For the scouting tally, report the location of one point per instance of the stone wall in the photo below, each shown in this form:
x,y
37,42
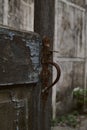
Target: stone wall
x,y
78,2
70,42
18,14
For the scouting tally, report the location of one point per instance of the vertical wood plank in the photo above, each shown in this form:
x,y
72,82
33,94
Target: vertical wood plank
x,y
44,18
44,25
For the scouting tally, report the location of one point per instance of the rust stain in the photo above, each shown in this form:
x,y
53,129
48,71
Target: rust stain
x,y
45,73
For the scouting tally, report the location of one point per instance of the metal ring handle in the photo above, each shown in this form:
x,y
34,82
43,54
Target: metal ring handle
x,y
57,78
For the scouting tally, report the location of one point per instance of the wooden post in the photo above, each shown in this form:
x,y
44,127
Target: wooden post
x,y
44,18
44,25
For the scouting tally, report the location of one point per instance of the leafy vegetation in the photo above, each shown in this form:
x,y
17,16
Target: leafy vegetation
x,y
73,119
69,120
80,97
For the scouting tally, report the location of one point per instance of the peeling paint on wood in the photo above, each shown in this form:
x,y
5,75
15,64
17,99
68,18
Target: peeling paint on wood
x,y
19,56
16,107
19,80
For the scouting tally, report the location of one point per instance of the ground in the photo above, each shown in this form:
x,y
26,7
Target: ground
x,y
81,125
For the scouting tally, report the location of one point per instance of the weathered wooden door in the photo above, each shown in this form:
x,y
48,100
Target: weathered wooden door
x,y
19,80
70,42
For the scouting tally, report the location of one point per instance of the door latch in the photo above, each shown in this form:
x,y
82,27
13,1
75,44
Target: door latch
x,y
46,61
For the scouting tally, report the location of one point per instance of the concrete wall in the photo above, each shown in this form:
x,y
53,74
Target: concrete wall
x,y
70,42
78,2
18,14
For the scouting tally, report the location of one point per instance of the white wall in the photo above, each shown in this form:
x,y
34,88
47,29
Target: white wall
x,y
18,14
70,42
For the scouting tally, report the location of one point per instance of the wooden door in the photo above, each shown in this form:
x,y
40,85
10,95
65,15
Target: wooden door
x,y
16,107
19,76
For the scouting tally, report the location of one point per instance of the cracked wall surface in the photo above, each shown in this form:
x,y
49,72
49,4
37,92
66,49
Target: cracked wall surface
x,y
18,14
78,2
70,42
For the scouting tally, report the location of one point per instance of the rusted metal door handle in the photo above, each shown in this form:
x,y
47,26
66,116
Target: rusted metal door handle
x,y
57,77
45,61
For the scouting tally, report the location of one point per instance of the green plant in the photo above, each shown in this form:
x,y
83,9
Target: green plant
x,y
54,122
80,97
69,120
